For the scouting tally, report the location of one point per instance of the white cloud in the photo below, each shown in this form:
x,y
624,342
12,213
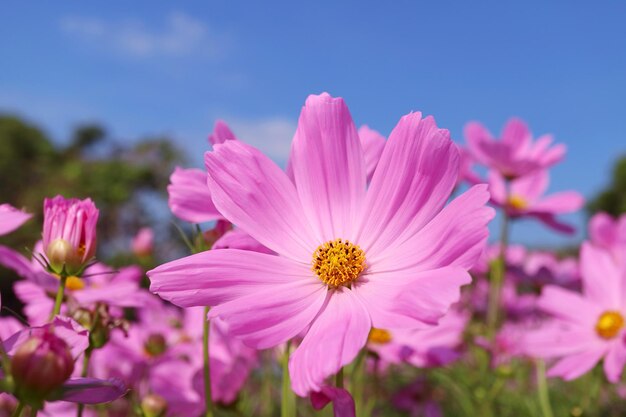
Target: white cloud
x,y
182,35
271,135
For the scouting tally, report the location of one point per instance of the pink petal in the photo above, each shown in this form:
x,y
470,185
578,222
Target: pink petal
x,y
411,298
92,391
614,361
497,187
476,135
568,305
563,202
516,134
256,195
15,261
11,218
571,367
38,303
238,239
603,230
601,276
373,144
343,403
557,339
531,186
552,222
455,237
413,180
273,315
217,276
189,196
328,167
221,133
336,336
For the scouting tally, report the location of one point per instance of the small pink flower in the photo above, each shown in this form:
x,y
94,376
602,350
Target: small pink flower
x,y
69,233
143,241
11,218
585,327
348,257
525,198
515,154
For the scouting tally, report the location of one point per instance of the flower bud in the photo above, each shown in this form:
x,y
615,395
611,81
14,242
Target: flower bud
x,y
41,365
69,233
153,405
142,242
155,345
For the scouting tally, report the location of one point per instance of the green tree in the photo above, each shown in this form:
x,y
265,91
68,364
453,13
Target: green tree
x,y
613,199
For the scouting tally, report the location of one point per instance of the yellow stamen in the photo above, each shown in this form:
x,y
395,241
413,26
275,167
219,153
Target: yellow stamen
x,y
609,324
338,262
73,283
517,202
380,336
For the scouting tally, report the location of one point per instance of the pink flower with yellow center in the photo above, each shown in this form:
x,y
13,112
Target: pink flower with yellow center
x,y
524,197
587,327
347,257
515,154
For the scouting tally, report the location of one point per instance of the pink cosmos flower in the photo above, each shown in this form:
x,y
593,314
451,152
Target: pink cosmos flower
x,y
609,233
143,242
586,327
541,268
431,347
69,233
515,154
189,196
525,198
11,218
348,257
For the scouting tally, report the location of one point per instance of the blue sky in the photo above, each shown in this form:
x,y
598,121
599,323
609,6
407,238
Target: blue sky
x,y
165,68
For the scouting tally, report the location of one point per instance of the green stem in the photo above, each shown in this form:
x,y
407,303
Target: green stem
x,y
357,381
288,401
59,298
542,389
208,400
84,373
18,410
497,280
339,378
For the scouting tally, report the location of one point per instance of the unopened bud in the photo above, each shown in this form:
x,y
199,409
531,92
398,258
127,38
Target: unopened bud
x,y
59,252
155,344
41,365
153,405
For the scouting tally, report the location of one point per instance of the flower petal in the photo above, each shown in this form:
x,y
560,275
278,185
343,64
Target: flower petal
x,y
221,133
614,361
411,298
373,144
189,197
336,336
268,318
328,167
601,276
571,367
255,194
343,403
603,230
455,237
413,180
11,218
568,305
217,276
92,390
563,202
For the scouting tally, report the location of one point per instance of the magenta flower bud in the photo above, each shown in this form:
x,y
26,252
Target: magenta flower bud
x,y
40,366
69,233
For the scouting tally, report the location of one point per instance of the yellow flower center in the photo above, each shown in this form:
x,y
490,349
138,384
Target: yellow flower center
x,y
517,202
338,262
380,336
609,324
72,283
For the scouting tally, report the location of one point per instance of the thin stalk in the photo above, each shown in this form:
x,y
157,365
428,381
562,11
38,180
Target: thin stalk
x,y
18,410
208,400
497,280
542,390
84,373
339,378
357,381
288,401
59,298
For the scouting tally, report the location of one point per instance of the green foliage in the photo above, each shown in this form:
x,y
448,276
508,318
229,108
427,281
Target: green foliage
x,y
613,199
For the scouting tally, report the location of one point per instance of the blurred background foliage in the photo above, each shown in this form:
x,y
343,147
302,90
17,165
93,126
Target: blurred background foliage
x,y
126,179
613,198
